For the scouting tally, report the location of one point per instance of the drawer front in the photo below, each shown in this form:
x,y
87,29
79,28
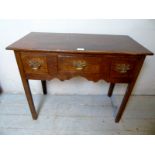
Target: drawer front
x,y
123,69
39,65
116,69
34,63
80,64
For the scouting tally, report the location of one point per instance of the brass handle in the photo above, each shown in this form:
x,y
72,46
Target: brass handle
x,y
122,68
79,65
35,65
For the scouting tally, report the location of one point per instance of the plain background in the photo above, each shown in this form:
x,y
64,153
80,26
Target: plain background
x,y
142,31
79,9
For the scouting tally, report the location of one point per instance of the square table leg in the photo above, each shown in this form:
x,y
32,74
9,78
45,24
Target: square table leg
x,y
44,86
124,102
26,87
111,88
128,91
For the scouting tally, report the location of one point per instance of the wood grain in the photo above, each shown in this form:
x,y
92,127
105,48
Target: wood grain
x,y
26,86
113,58
41,59
91,43
93,64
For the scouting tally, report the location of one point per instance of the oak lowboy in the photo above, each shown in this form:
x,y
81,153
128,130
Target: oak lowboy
x,y
113,58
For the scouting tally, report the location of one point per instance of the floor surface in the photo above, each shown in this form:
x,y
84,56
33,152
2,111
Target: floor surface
x,y
75,114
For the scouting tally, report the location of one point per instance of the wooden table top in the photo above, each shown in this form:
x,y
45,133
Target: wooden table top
x,y
79,43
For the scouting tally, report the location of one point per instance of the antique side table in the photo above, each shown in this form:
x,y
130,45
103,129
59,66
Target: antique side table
x,y
113,58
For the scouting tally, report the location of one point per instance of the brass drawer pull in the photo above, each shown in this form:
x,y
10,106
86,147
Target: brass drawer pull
x,y
35,65
122,68
79,65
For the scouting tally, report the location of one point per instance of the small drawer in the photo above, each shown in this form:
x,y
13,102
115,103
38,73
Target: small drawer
x,y
123,69
34,63
80,64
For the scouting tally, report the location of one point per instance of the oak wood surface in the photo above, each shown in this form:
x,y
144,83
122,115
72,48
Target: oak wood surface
x,y
92,64
26,86
31,58
113,58
62,66
91,43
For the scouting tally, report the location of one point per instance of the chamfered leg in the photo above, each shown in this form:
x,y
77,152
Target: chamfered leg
x,y
129,90
29,98
26,87
124,102
44,86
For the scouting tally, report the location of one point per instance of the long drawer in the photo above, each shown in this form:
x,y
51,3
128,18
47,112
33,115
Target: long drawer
x,y
82,64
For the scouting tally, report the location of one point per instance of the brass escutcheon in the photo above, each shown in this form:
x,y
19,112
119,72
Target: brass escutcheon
x,y
79,65
35,65
122,68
